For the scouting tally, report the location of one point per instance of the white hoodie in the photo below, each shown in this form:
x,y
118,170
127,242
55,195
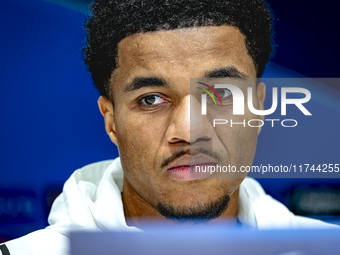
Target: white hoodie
x,y
91,200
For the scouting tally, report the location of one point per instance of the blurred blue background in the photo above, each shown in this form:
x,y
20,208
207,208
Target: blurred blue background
x,y
50,123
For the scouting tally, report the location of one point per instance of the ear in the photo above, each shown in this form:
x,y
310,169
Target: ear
x,y
261,95
106,109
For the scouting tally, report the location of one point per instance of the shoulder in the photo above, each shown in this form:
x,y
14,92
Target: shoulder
x,y
270,213
70,210
93,174
40,242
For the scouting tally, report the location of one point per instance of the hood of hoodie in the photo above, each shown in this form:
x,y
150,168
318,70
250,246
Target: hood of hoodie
x,y
91,200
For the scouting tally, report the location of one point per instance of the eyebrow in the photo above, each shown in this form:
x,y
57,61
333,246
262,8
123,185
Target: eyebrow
x,y
143,82
226,72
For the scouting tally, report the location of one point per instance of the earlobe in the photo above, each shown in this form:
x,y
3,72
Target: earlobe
x,y
106,109
261,95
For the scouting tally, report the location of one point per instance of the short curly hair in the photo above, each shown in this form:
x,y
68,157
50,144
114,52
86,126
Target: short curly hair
x,y
113,20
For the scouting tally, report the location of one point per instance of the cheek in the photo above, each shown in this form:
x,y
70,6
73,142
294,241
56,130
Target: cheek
x,y
134,145
139,140
238,141
133,140
246,139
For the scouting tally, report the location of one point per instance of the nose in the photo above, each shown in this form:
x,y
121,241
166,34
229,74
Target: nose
x,y
187,124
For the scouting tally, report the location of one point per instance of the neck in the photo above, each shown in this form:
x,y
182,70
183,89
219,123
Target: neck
x,y
137,210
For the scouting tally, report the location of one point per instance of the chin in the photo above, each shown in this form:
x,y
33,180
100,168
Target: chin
x,y
195,208
195,193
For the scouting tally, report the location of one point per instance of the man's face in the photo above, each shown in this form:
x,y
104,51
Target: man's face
x,y
153,111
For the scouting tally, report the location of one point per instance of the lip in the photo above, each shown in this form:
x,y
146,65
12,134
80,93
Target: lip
x,y
192,160
189,173
184,168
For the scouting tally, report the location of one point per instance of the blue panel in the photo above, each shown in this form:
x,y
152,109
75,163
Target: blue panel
x,y
50,122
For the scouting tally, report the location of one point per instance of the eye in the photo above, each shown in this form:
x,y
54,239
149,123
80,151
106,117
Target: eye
x,y
224,94
152,100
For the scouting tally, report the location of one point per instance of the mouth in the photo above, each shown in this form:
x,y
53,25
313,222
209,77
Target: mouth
x,y
190,172
190,167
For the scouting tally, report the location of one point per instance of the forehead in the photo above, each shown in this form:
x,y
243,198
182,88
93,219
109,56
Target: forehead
x,y
190,51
